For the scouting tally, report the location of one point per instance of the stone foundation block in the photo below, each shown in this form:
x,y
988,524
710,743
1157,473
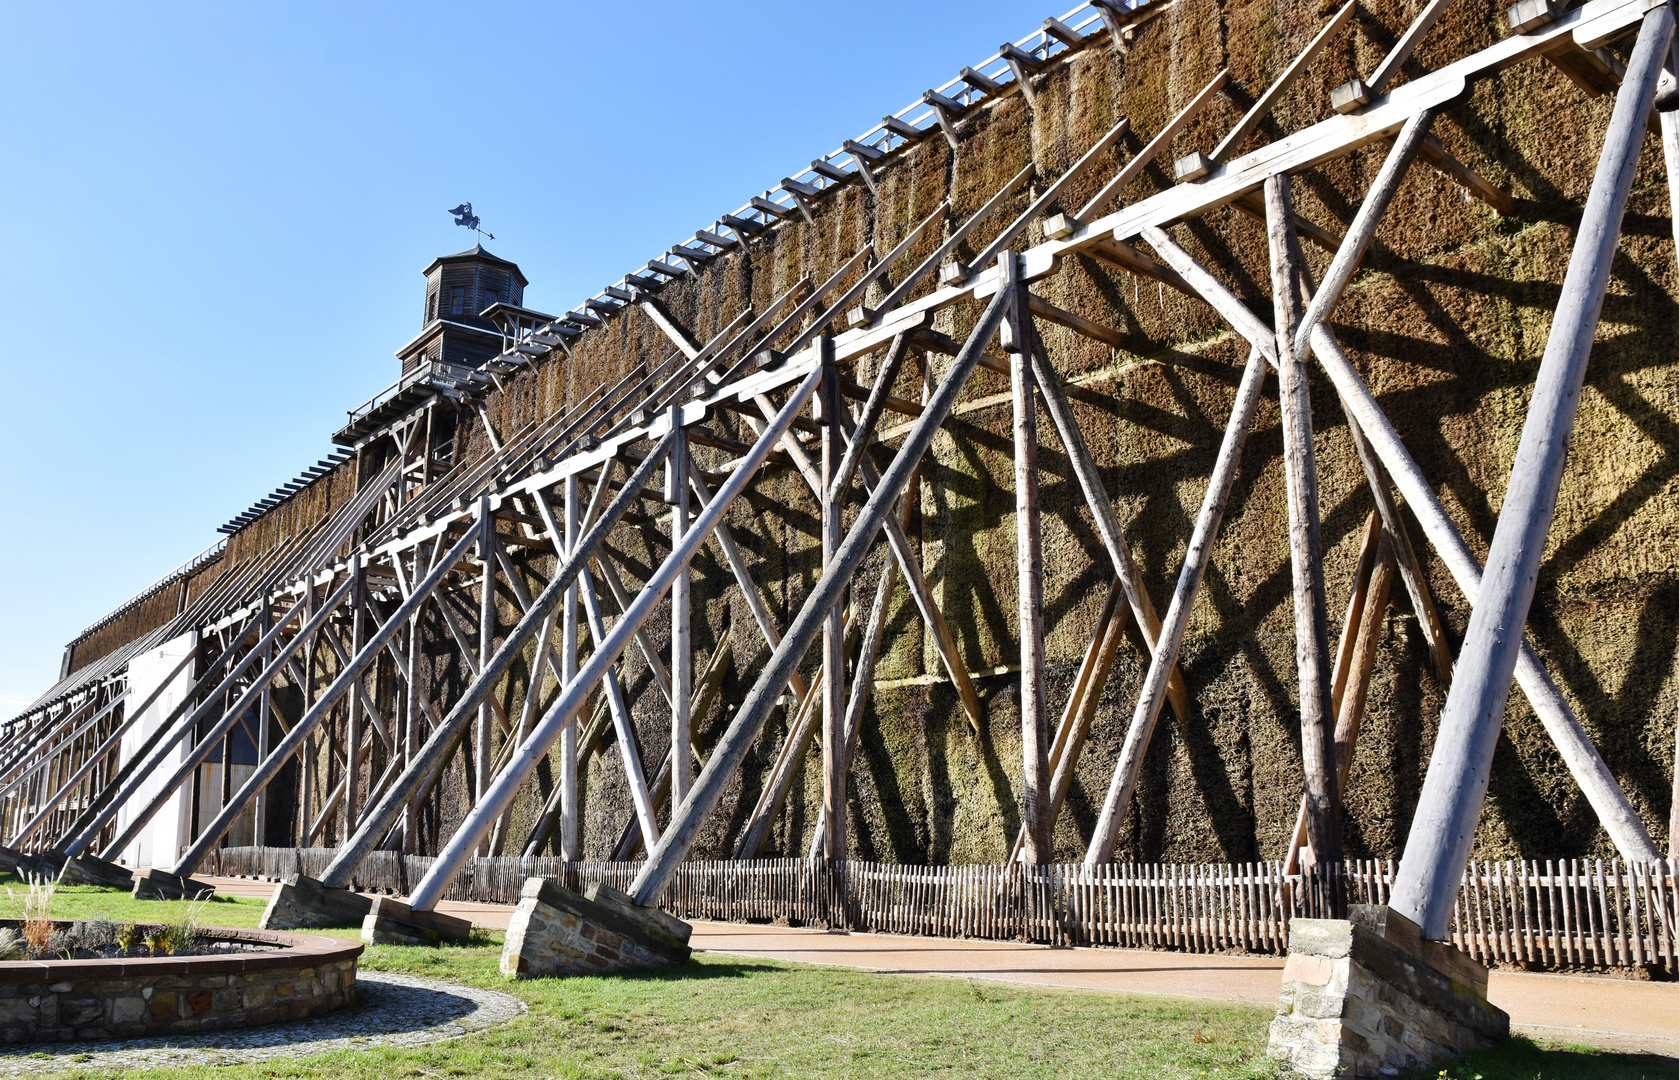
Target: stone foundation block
x,y
554,931
155,884
8,860
391,922
302,903
46,864
1369,997
91,870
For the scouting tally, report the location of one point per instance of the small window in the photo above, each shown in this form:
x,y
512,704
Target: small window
x,y
457,301
493,299
431,307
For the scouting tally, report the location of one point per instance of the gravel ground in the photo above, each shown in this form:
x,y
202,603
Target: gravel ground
x,y
396,1010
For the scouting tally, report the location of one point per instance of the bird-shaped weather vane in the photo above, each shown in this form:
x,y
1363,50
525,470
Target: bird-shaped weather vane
x,y
464,216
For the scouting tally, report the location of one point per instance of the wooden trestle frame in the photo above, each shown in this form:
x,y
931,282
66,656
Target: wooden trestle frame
x,y
322,608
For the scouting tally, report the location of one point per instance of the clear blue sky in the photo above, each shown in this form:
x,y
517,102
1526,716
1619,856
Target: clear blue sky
x,y
215,216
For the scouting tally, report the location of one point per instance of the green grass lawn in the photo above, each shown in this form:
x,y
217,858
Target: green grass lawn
x,y
722,1017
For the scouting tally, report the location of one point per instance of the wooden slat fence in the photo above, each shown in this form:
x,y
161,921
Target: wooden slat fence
x,y
1555,914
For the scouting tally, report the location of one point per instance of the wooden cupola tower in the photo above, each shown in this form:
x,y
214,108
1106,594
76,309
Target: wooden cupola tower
x,y
459,290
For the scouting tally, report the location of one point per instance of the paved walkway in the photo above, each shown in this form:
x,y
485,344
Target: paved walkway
x,y
1619,1014
396,1010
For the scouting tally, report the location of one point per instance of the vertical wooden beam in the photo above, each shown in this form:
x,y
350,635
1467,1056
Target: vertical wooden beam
x,y
1029,566
1323,823
483,748
265,718
570,850
829,403
227,773
681,630
862,685
411,722
352,734
1354,659
1455,786
1673,812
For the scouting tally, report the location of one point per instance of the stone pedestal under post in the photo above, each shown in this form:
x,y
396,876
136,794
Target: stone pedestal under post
x,y
155,884
92,870
1367,996
555,931
392,922
302,903
45,864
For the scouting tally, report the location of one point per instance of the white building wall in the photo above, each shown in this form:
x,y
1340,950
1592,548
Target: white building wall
x,y
164,837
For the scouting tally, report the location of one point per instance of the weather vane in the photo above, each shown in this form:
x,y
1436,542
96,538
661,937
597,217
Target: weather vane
x,y
464,216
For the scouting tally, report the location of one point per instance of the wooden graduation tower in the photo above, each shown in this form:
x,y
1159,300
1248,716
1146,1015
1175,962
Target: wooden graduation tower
x,y
691,536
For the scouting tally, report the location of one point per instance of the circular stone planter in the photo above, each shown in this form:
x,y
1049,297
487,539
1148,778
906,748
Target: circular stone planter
x,y
297,976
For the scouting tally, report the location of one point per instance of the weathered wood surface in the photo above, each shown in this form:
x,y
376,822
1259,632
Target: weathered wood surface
x,y
1311,629
1455,785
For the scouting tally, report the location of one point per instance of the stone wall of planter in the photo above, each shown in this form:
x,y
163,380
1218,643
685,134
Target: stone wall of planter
x,y
59,1000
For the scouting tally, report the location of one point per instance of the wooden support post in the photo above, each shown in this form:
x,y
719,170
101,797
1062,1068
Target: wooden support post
x,y
564,538
425,762
710,681
1029,566
829,404
681,634
1673,811
411,726
1362,230
483,748
1454,788
864,428
352,732
1070,734
1410,567
862,686
1354,660
1317,756
570,850
1349,707
621,597
1195,560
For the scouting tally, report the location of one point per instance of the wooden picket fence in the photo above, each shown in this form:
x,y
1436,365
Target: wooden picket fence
x,y
1551,914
